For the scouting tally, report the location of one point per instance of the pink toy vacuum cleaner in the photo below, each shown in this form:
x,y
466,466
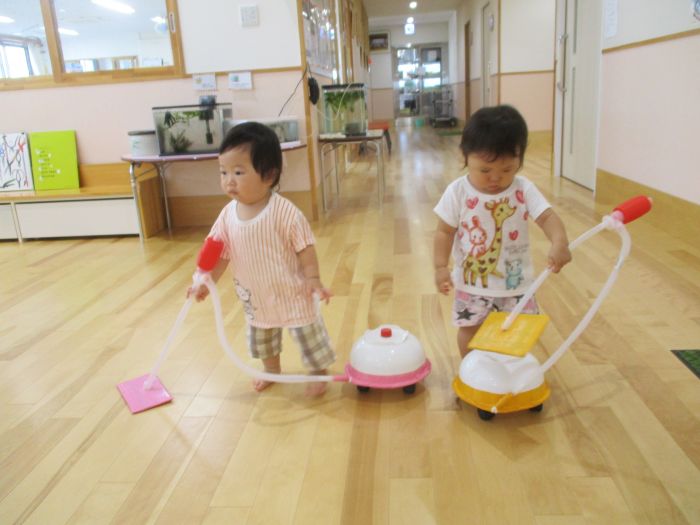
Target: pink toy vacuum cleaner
x,y
387,357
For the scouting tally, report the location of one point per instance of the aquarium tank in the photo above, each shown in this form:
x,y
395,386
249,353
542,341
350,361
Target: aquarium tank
x,y
344,109
197,128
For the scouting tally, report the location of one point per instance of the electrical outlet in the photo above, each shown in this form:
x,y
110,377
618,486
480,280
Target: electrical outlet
x,y
249,15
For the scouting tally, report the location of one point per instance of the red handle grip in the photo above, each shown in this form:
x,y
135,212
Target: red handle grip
x,y
209,254
634,208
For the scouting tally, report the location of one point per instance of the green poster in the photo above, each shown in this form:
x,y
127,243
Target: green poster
x,y
54,160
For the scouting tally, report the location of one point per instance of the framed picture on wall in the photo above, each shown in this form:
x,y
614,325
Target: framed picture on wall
x,y
319,37
379,41
15,168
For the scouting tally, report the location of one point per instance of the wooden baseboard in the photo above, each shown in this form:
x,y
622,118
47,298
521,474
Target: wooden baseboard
x,y
195,210
202,210
103,174
151,206
678,217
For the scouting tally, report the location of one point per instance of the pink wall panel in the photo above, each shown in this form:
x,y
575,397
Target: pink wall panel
x,y
532,94
650,116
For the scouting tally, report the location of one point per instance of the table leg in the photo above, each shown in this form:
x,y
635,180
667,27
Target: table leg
x,y
161,174
323,179
335,172
381,176
379,150
15,219
137,202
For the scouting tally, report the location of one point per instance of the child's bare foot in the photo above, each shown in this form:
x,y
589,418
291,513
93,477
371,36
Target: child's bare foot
x,y
316,389
261,384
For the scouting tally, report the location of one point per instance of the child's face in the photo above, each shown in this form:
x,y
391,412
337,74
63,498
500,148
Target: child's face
x,y
239,180
492,176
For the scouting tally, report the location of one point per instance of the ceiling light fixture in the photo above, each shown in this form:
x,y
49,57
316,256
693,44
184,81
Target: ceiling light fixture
x,y
409,20
6,20
68,32
408,45
113,5
413,5
158,20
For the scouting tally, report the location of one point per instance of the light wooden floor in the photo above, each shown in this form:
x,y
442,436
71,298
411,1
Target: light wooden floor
x,y
618,441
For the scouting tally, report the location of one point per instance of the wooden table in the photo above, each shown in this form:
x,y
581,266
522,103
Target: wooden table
x,y
161,162
331,141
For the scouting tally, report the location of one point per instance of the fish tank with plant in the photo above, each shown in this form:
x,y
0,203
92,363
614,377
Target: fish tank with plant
x,y
344,109
197,128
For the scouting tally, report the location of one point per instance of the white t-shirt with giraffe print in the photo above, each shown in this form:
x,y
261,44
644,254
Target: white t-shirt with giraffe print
x,y
491,250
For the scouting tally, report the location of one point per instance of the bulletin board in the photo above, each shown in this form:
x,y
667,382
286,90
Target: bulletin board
x,y
319,40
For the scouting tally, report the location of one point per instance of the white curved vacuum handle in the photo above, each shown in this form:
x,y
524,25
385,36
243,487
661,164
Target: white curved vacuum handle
x,y
609,222
206,280
148,383
545,273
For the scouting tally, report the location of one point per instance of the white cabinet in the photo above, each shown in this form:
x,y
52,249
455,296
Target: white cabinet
x,y
7,223
77,218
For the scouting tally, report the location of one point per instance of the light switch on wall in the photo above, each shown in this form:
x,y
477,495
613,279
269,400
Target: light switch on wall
x,y
249,15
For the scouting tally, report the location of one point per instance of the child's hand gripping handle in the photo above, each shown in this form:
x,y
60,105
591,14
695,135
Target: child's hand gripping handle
x,y
632,209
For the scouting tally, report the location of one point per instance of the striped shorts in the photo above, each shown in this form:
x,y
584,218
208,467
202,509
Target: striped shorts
x,y
314,344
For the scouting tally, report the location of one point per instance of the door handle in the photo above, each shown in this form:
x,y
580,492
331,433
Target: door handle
x,y
561,85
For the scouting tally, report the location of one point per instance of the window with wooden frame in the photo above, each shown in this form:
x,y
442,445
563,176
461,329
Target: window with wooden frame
x,y
47,43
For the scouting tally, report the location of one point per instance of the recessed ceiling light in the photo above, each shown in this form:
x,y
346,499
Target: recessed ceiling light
x,y
158,20
409,20
6,20
113,5
413,5
68,32
408,45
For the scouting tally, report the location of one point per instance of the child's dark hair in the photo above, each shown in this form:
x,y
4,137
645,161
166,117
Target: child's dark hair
x,y
265,151
495,131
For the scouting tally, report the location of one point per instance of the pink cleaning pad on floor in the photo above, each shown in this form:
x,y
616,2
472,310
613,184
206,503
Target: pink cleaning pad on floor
x,y
138,398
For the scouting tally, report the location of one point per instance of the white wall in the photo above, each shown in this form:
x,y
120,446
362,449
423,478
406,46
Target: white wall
x,y
639,20
425,34
527,35
452,53
380,72
213,39
461,18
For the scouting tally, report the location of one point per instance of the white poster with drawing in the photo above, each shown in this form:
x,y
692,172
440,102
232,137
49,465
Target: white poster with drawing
x,y
15,167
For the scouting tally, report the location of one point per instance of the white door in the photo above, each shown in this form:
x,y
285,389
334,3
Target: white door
x,y
579,44
488,34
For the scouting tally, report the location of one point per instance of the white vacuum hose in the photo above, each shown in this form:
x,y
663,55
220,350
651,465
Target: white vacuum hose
x,y
205,278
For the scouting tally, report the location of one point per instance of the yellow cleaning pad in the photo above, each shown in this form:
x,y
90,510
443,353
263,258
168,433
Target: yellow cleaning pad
x,y
517,340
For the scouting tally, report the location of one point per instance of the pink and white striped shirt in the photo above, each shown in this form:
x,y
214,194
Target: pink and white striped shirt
x,y
263,258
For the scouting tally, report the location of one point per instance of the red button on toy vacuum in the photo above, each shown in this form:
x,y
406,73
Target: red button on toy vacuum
x,y
385,332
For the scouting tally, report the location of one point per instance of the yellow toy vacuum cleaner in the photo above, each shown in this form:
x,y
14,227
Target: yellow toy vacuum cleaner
x,y
499,374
